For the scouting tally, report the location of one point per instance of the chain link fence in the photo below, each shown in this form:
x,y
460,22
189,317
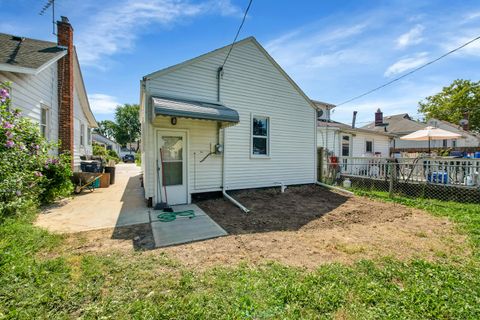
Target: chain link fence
x,y
448,179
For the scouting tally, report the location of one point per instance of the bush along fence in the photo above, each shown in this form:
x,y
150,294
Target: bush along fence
x,y
29,174
449,179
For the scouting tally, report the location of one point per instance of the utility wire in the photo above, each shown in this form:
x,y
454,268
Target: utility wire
x,y
238,32
409,73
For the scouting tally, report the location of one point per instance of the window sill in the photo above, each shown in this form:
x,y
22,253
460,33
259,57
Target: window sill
x,y
258,156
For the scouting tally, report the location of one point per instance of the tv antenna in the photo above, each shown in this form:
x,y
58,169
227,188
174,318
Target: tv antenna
x,y
48,4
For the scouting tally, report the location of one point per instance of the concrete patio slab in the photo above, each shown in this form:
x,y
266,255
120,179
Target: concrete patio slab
x,y
177,208
121,204
184,230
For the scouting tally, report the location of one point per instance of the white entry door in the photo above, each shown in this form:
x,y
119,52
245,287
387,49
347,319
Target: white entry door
x,y
172,152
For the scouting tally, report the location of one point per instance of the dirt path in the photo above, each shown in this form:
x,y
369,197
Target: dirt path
x,y
306,226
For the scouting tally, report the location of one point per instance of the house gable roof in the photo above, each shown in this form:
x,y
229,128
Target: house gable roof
x,y
399,124
25,55
82,92
216,51
346,128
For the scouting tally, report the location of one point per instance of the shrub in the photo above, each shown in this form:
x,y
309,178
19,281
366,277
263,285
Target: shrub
x,y
25,178
101,151
57,182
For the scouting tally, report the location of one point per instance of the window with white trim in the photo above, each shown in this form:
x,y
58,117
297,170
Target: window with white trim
x,y
82,134
89,135
260,136
44,121
369,146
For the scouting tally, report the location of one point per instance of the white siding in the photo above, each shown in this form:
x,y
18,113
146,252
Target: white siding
x,y
30,91
79,118
333,137
251,84
329,139
380,144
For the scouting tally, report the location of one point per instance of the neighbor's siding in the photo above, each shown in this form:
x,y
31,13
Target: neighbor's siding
x,y
30,91
357,146
380,144
78,119
250,85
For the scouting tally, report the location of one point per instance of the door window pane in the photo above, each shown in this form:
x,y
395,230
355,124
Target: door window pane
x,y
172,148
173,173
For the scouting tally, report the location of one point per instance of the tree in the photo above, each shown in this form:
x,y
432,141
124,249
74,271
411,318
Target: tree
x,y
127,118
459,100
106,128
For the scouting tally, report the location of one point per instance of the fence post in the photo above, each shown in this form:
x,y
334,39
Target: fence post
x,y
320,164
392,168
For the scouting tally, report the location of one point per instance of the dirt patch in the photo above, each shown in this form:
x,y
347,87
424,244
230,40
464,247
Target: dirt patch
x,y
305,226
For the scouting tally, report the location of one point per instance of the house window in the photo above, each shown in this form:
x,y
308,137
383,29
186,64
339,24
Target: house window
x,y
444,143
345,146
454,143
44,122
82,134
369,146
260,136
89,135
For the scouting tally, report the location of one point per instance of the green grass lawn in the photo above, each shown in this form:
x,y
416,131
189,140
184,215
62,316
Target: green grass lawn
x,y
33,284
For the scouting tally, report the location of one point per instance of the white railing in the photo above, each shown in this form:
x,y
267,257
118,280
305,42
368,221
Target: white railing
x,y
439,170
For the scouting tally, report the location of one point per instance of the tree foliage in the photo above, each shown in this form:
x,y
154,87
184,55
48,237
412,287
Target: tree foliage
x,y
106,128
460,98
127,123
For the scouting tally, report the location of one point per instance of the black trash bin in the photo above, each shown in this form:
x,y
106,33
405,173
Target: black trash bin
x,y
91,166
111,170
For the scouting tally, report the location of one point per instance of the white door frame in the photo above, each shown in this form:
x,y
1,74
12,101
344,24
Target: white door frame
x,y
185,161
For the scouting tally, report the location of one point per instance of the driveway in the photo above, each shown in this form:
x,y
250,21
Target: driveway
x,y
122,204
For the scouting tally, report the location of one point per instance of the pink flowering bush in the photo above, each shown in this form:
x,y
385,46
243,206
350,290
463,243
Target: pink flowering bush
x,y
28,174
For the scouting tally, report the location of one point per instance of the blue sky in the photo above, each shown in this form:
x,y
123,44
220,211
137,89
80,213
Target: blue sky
x,y
333,49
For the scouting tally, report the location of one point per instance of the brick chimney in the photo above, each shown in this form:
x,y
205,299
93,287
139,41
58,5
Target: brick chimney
x,y
65,87
378,118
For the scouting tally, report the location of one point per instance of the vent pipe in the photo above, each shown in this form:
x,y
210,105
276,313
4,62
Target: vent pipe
x,y
354,119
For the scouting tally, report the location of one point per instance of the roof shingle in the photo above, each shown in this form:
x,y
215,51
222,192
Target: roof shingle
x,y
27,55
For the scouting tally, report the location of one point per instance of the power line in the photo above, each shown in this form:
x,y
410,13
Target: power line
x,y
238,32
409,73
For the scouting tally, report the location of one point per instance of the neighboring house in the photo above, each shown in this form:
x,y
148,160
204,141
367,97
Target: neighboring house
x,y
340,139
105,142
47,86
469,139
246,125
402,124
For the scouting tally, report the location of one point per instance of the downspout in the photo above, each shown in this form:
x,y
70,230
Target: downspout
x,y
224,189
335,188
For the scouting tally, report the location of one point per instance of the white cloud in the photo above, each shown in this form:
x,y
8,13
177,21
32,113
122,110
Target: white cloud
x,y
103,103
115,28
406,64
305,49
412,37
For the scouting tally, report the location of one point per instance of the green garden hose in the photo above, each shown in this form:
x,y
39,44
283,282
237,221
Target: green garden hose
x,y
171,216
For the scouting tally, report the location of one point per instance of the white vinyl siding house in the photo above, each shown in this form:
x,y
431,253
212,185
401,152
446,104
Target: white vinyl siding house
x,y
31,66
32,94
282,150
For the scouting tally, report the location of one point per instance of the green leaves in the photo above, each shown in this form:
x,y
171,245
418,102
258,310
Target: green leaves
x,y
454,102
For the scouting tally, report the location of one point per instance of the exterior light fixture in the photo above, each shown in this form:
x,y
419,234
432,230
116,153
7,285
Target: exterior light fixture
x,y
173,121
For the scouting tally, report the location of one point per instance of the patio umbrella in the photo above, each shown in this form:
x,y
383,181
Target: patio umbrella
x,y
431,133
